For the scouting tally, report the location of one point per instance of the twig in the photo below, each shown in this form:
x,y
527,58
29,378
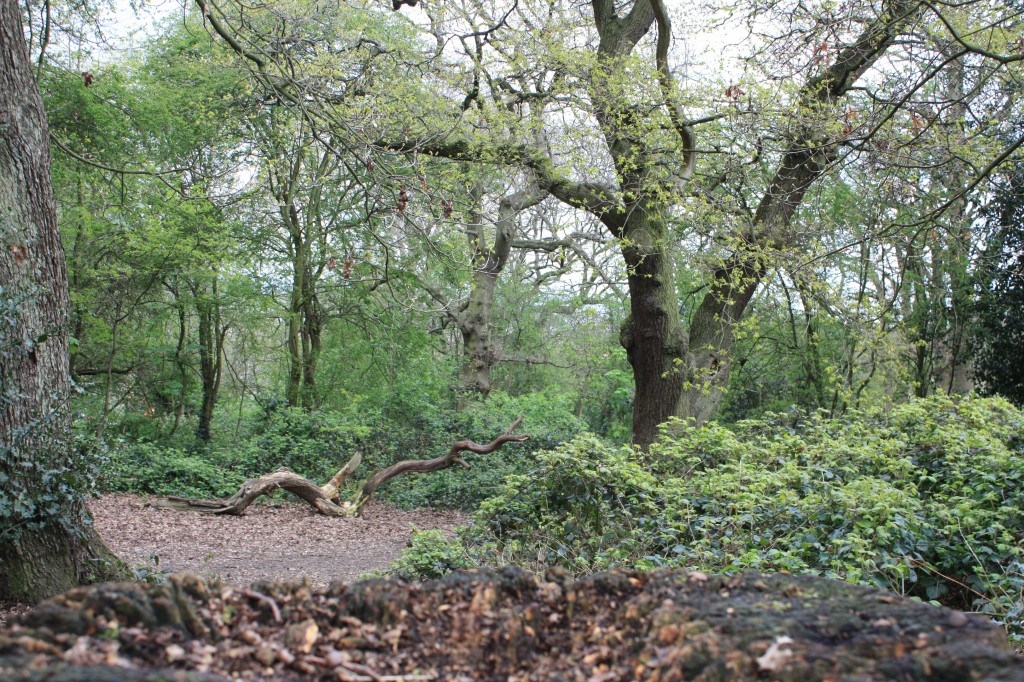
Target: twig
x,y
252,594
928,567
362,672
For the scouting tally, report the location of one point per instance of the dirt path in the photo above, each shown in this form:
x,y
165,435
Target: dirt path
x,y
272,541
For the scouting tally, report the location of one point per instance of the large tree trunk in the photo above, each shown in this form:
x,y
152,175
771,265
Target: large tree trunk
x,y
652,334
46,540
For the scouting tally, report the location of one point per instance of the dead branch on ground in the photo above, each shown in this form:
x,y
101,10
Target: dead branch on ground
x,y
325,499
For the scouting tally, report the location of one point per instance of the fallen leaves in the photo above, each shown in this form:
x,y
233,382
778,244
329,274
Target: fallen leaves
x,y
504,625
242,550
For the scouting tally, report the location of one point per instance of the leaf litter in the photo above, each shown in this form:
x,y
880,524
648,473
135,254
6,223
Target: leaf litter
x,y
276,541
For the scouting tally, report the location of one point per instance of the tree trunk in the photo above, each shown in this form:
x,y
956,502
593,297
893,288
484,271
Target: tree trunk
x,y
179,361
312,326
475,326
108,383
652,334
211,355
293,391
46,540
474,321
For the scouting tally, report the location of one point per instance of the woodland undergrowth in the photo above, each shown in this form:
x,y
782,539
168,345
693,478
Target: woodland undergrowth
x,y
926,499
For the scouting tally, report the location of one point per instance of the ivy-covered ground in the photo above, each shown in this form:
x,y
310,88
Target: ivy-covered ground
x,y
924,499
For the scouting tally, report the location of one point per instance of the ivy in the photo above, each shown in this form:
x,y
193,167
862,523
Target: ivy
x,y
45,475
925,500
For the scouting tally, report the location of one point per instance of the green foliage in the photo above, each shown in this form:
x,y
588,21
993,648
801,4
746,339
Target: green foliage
x,y
152,469
313,443
430,555
925,500
548,416
592,507
317,443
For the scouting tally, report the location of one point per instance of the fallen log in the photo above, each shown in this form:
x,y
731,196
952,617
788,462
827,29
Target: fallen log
x,y
500,625
326,499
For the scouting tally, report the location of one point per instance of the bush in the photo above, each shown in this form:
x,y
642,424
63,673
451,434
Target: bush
x,y
430,555
314,444
155,470
925,500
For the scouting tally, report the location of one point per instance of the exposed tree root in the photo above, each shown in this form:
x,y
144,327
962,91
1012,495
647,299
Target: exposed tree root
x,y
325,498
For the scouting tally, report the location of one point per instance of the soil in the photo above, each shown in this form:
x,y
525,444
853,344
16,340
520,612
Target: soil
x,y
281,540
277,541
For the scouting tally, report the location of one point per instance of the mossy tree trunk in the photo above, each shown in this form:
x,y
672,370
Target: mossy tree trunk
x,y
47,544
475,318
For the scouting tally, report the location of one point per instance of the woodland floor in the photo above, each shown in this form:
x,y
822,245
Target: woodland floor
x,y
280,540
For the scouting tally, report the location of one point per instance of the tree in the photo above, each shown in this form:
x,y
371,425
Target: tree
x,y
832,91
680,371
47,544
1001,299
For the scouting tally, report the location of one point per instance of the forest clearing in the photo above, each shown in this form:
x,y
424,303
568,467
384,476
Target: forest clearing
x,y
619,339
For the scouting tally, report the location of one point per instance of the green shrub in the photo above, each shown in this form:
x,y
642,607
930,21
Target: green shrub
x,y
430,555
925,500
312,443
152,469
548,418
587,506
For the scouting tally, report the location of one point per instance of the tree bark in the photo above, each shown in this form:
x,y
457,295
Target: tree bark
x,y
211,354
312,326
294,389
475,319
325,498
179,361
652,334
46,539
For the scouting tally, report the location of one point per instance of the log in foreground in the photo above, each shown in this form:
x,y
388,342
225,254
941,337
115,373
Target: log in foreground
x,y
505,625
325,499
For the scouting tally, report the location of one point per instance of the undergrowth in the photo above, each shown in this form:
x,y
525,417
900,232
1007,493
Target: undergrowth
x,y
317,443
926,500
